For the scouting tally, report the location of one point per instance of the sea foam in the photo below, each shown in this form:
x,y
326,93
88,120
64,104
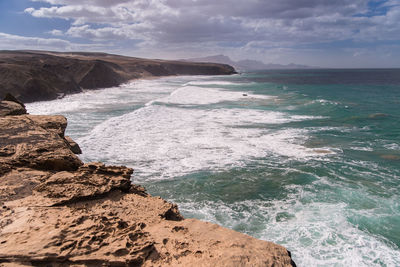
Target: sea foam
x,y
161,141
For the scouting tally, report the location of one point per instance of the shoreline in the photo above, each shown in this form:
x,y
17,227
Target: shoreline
x,y
39,75
149,78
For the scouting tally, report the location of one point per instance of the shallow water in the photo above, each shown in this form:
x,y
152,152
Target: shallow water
x,y
308,159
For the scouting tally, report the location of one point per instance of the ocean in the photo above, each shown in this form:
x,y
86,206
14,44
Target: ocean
x,y
308,159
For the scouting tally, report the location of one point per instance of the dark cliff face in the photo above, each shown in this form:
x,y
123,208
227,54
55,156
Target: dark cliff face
x,y
36,75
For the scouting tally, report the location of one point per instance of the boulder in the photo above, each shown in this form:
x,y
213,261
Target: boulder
x,y
11,106
10,97
8,108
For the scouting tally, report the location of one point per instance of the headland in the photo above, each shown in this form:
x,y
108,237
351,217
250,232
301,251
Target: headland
x,y
43,75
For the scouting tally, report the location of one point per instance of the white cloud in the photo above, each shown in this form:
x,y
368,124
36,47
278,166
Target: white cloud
x,y
56,32
12,42
121,32
180,21
252,27
105,12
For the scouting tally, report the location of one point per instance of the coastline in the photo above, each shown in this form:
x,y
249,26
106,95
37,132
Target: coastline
x,y
58,210
42,75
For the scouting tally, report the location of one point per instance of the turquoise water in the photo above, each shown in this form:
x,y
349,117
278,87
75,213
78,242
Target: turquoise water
x,y
308,159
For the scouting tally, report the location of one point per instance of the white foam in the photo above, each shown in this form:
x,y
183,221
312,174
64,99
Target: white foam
x,y
317,233
194,95
210,83
362,148
324,102
132,93
320,234
392,146
332,128
161,141
164,142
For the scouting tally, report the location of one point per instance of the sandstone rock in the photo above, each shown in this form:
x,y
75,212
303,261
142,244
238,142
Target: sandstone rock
x,y
11,106
55,123
88,182
73,145
125,230
10,97
25,143
8,108
19,183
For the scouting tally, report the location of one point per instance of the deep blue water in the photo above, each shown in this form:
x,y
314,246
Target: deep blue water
x,y
309,159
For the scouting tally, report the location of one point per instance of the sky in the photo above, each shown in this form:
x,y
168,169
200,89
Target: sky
x,y
325,33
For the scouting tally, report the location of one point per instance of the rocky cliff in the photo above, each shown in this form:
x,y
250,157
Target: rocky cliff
x,y
57,211
40,75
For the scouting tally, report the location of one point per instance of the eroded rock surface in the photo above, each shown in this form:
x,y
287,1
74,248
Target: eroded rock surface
x,y
26,142
57,211
73,145
11,108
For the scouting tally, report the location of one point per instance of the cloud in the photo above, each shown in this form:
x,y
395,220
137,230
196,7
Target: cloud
x,y
104,12
250,26
11,42
127,32
56,32
179,21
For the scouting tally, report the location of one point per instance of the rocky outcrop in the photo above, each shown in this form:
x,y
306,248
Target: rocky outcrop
x,y
57,211
11,106
73,145
26,142
39,75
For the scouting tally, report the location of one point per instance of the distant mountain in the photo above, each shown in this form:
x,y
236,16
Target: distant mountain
x,y
221,59
247,64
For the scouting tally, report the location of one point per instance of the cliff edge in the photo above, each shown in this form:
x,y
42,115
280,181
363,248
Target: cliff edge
x,y
57,211
41,75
